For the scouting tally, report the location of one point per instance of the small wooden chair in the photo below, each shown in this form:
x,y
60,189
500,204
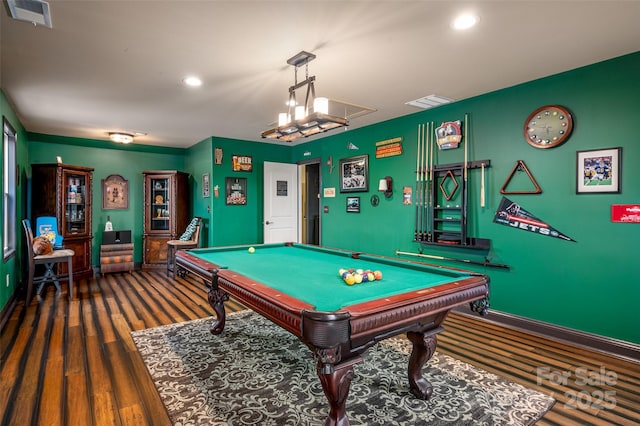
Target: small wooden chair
x,y
174,245
49,261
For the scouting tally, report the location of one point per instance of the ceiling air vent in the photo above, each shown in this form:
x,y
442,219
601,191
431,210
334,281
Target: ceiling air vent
x,y
34,11
430,101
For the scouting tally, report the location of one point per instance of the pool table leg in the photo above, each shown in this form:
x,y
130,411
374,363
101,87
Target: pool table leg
x,y
424,346
216,299
336,388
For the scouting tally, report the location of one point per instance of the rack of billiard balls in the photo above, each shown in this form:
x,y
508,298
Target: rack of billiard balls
x,y
357,276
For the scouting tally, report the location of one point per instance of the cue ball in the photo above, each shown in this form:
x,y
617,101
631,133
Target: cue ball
x,y
251,250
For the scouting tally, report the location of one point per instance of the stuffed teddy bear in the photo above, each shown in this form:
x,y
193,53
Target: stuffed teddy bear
x,y
42,246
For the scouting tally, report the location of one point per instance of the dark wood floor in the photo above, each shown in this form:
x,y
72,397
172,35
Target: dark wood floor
x,y
74,363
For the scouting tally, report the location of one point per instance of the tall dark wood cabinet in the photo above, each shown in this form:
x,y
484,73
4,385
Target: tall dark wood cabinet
x,y
65,192
166,213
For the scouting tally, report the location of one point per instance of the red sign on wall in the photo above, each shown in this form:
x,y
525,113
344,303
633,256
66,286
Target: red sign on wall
x,y
625,213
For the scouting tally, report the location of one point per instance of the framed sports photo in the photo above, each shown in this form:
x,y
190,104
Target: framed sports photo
x,y
598,171
354,174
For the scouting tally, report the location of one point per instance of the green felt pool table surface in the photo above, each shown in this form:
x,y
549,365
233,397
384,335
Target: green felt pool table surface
x,y
310,273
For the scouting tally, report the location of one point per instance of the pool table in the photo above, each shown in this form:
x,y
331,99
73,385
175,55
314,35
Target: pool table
x,y
298,287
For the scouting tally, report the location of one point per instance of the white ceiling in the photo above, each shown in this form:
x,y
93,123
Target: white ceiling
x,y
118,65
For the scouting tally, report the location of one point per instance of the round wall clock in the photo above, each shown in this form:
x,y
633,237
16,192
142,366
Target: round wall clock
x,y
115,192
548,126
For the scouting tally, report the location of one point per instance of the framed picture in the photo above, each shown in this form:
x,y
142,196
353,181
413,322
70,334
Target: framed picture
x,y
236,194
115,193
353,204
598,171
206,185
354,174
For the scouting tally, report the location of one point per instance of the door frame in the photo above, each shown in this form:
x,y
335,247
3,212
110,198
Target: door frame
x,y
303,193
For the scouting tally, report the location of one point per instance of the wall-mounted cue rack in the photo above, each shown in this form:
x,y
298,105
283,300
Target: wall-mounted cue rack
x,y
442,195
447,222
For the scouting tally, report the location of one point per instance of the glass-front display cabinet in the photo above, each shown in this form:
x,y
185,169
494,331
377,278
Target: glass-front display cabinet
x,y
71,206
166,213
75,208
160,202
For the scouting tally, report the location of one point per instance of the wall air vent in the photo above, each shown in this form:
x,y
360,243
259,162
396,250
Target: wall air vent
x,y
34,11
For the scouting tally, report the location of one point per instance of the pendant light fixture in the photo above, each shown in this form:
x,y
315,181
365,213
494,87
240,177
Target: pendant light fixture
x,y
306,119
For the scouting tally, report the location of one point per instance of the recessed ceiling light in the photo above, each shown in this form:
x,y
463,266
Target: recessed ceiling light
x,y
192,81
464,22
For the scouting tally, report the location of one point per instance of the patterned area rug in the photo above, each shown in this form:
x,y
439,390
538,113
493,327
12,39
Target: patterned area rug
x,y
256,373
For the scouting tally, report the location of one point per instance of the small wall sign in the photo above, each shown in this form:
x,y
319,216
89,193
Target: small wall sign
x,y
281,188
389,148
241,163
625,213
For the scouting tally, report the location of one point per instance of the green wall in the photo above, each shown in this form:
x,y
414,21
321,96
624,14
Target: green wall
x,y
589,285
239,224
106,158
13,266
198,161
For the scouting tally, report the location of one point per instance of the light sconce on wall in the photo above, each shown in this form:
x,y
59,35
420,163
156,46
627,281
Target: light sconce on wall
x,y
306,119
386,186
121,137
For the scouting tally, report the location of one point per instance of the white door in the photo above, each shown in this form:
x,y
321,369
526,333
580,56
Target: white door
x,y
280,203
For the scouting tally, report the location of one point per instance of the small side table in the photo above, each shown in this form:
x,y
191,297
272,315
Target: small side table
x,y
172,247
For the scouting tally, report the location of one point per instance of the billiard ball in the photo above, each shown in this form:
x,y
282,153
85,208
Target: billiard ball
x,y
251,250
357,278
377,274
371,276
349,279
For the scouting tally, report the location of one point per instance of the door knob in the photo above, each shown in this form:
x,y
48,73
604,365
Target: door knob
x,y
267,223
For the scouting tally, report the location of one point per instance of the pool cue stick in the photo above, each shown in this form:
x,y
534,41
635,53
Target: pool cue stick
x,y
465,194
452,259
417,230
482,185
431,190
466,145
425,151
